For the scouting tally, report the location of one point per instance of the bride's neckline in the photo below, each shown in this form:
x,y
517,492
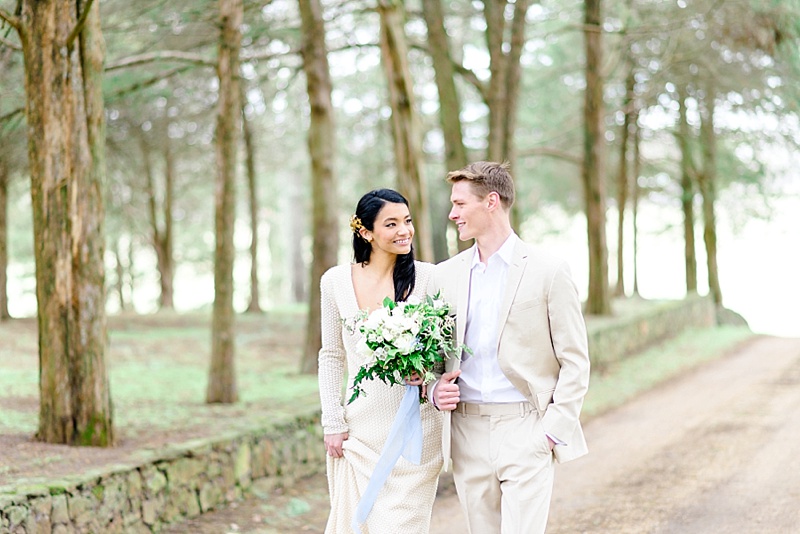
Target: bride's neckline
x,y
351,279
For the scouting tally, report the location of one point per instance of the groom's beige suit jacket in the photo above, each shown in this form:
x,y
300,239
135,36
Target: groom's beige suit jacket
x,y
542,343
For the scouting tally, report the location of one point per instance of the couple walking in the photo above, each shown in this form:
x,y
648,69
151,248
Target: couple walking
x,y
504,413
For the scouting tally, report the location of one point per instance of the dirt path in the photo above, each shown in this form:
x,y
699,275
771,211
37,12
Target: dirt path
x,y
717,451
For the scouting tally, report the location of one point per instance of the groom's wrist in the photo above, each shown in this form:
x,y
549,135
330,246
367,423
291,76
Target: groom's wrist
x,y
432,394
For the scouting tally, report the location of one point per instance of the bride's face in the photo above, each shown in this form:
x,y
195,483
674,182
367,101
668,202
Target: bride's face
x,y
393,229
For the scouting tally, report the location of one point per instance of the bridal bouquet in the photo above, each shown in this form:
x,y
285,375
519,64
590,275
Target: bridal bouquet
x,y
403,338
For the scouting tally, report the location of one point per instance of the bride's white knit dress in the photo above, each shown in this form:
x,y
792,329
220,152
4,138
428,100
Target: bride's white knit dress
x,y
405,502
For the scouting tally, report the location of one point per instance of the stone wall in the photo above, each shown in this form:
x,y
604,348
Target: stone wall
x,y
611,340
181,482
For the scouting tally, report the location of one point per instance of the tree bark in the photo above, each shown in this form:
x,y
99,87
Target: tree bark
x,y
707,185
254,306
637,170
495,29
321,147
405,123
66,151
119,286
4,179
455,153
598,301
222,375
161,237
513,81
505,82
166,259
687,194
622,177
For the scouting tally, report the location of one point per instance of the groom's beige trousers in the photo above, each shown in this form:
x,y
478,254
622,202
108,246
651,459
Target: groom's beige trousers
x,y
502,467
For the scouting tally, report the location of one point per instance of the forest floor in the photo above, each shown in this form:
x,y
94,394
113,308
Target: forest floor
x,y
158,371
158,367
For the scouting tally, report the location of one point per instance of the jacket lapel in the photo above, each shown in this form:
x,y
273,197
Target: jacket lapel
x,y
462,289
515,271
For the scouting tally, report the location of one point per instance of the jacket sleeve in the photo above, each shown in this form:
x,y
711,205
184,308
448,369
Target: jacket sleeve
x,y
571,346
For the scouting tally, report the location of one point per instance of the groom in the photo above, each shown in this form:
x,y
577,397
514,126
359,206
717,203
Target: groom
x,y
514,400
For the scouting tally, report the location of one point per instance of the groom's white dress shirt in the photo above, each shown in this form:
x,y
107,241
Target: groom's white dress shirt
x,y
481,379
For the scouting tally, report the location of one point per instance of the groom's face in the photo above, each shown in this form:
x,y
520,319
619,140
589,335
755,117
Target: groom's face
x,y
470,212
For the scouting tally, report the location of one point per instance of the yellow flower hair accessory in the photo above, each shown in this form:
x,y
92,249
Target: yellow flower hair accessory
x,y
355,224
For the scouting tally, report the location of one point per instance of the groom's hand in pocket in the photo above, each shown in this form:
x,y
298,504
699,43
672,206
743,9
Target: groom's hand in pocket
x,y
333,444
446,394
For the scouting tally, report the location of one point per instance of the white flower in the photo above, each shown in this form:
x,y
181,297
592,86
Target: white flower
x,y
405,343
389,334
413,300
374,320
380,354
363,350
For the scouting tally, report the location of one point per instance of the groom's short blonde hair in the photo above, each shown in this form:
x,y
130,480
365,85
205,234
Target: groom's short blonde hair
x,y
487,177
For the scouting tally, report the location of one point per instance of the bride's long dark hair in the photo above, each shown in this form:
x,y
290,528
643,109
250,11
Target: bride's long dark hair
x,y
367,210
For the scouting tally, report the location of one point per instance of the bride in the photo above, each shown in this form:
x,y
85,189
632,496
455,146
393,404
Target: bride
x,y
355,434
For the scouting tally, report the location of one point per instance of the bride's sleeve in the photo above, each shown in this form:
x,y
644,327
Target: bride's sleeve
x,y
331,360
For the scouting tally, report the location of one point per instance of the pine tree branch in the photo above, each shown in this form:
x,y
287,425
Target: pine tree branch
x,y
470,76
163,55
79,25
146,83
14,21
552,152
10,115
11,45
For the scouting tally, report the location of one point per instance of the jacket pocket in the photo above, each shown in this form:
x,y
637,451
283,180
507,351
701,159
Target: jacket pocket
x,y
525,305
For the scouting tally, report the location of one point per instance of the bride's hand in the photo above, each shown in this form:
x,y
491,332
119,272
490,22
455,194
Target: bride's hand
x,y
333,444
414,380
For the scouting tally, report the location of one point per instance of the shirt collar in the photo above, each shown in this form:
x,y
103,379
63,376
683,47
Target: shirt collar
x,y
505,252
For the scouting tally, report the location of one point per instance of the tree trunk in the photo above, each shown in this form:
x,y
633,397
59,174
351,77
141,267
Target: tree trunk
x,y
598,301
622,178
707,185
222,375
405,123
505,82
637,169
455,154
254,306
119,287
299,274
167,268
4,179
66,144
321,147
496,101
687,194
161,238
513,84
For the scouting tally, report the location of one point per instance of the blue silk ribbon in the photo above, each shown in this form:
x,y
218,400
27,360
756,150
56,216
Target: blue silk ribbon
x,y
405,439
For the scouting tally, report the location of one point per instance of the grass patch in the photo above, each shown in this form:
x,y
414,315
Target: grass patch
x,y
158,372
632,376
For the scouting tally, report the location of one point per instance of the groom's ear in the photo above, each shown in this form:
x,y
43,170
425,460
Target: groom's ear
x,y
493,201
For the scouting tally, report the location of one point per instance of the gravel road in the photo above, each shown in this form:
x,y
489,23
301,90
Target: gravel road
x,y
716,451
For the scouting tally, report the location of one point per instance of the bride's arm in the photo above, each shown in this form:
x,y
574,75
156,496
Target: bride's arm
x,y
332,358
